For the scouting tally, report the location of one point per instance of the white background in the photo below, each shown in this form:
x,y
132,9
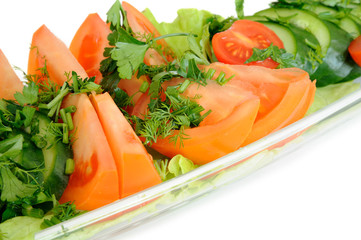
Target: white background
x,y
314,193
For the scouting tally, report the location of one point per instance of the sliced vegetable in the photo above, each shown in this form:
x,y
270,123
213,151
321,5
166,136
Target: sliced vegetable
x,y
47,49
9,81
304,20
88,44
235,45
285,95
234,110
94,182
136,171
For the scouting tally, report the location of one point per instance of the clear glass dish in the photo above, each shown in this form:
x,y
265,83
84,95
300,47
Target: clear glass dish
x,y
129,212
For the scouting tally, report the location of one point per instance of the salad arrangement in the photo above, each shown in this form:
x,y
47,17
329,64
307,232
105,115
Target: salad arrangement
x,y
178,101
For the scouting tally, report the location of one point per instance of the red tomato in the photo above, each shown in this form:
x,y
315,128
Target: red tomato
x,y
88,44
285,95
94,182
234,110
234,46
135,166
9,81
355,50
45,46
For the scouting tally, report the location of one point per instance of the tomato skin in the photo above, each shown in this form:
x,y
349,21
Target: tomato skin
x,y
285,95
94,182
59,60
234,46
135,166
234,110
9,81
88,44
355,50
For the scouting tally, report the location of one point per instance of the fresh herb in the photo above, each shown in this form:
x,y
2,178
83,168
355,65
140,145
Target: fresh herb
x,y
239,8
168,109
61,213
279,55
30,129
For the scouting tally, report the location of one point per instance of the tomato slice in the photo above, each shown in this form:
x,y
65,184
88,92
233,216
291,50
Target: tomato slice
x,y
9,81
141,26
94,182
234,46
355,50
285,95
134,164
45,46
88,44
234,110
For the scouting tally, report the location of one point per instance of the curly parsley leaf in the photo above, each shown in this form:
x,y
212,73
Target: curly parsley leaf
x,y
29,94
128,56
12,188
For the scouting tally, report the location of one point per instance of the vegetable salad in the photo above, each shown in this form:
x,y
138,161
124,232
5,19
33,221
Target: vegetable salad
x,y
133,102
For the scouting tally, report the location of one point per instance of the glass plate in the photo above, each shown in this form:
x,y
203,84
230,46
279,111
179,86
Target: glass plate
x,y
129,212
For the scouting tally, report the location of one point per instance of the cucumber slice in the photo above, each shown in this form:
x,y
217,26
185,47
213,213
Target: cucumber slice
x,y
350,26
346,23
335,66
304,20
287,37
55,155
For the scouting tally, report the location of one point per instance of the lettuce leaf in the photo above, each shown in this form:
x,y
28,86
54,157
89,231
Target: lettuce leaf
x,y
329,94
189,20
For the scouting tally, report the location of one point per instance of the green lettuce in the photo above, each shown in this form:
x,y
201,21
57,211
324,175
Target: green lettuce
x,y
189,20
22,227
329,94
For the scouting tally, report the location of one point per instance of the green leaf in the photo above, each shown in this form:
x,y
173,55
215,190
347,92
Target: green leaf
x,y
196,49
29,114
239,8
129,57
29,95
179,165
188,21
4,128
113,15
331,93
278,55
11,147
12,188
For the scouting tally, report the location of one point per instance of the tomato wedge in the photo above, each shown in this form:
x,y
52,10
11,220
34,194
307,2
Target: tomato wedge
x,y
134,164
94,182
88,44
285,95
234,46
141,26
9,81
46,47
234,110
355,50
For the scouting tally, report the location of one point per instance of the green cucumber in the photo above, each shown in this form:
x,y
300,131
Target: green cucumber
x,y
335,67
284,33
350,26
296,41
306,53
55,155
345,22
304,20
